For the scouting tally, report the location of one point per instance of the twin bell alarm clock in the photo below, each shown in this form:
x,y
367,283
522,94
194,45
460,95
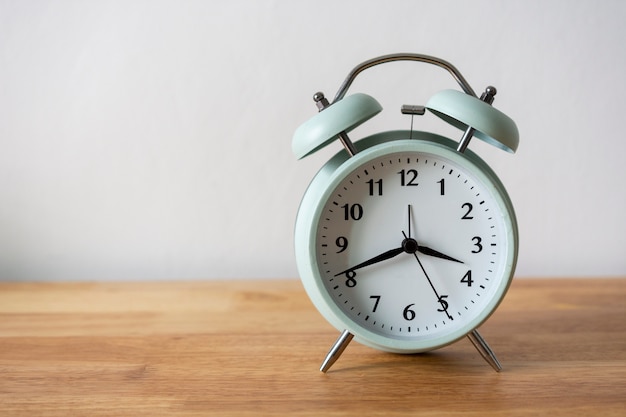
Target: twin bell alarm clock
x,y
406,241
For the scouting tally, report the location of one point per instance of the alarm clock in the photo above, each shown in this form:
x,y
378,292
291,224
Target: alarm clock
x,y
406,241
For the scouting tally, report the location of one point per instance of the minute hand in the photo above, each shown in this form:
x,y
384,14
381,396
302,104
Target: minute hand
x,y
382,257
431,252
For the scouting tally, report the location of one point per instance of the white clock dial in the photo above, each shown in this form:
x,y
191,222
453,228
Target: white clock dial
x,y
413,248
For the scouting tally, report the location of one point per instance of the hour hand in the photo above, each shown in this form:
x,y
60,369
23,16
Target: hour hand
x,y
431,252
382,257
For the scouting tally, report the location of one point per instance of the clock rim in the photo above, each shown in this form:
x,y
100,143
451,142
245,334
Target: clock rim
x,y
325,182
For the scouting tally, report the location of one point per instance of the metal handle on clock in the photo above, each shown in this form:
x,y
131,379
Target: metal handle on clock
x,y
403,57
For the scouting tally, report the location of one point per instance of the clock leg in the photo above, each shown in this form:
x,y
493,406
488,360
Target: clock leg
x,y
484,349
336,351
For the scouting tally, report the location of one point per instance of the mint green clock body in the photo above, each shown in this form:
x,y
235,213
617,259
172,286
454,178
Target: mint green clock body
x,y
393,190
406,241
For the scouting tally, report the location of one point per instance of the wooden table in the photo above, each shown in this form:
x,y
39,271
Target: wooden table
x,y
253,348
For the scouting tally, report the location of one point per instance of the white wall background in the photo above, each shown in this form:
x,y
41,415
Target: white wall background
x,y
152,139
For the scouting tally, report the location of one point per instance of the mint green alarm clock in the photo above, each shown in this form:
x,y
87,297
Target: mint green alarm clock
x,y
406,241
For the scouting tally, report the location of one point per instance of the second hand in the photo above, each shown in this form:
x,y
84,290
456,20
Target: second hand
x,y
440,299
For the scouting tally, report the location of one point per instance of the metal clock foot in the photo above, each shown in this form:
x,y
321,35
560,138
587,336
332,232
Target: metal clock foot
x,y
484,349
336,351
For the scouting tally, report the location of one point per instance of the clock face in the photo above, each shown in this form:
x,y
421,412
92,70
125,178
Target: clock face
x,y
413,248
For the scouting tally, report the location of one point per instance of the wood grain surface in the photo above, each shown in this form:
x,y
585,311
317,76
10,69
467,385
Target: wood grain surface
x,y
253,348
